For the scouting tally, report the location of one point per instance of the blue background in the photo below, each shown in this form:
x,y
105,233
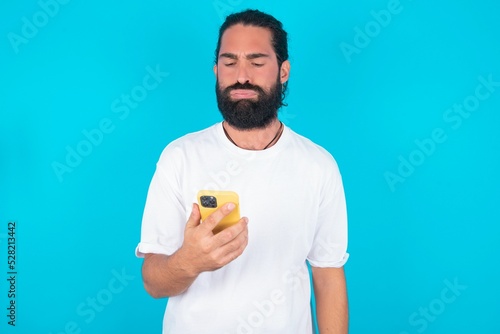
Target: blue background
x,y
409,239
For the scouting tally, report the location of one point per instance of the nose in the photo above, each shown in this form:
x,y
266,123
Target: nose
x,y
243,74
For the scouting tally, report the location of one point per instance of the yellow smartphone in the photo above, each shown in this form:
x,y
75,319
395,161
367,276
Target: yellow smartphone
x,y
211,200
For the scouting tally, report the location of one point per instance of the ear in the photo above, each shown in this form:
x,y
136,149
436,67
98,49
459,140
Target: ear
x,y
215,70
285,71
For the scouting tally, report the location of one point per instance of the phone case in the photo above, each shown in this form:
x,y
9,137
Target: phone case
x,y
221,197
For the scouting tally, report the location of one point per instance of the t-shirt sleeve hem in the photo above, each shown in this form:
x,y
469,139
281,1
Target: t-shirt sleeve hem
x,y
145,248
330,264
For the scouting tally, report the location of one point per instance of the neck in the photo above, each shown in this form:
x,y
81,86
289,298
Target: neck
x,y
254,139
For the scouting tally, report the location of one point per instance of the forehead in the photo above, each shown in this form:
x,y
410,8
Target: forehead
x,y
246,39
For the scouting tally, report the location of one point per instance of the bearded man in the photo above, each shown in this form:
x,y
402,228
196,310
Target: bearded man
x,y
253,276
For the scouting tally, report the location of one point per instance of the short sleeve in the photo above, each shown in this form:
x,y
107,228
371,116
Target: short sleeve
x,y
330,239
164,216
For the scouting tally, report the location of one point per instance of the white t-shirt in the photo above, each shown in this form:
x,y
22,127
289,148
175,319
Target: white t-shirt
x,y
293,196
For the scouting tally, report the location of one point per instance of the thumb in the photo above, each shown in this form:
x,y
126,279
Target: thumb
x,y
195,217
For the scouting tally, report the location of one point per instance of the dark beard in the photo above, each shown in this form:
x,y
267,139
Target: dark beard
x,y
246,114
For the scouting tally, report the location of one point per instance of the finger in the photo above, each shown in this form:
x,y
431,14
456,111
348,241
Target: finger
x,y
195,216
230,233
232,250
217,216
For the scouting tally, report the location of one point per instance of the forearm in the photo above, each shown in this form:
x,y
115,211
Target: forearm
x,y
166,276
331,302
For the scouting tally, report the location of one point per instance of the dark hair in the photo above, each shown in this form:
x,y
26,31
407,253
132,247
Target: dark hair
x,y
256,18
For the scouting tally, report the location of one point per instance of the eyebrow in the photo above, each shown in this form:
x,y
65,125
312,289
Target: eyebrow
x,y
249,56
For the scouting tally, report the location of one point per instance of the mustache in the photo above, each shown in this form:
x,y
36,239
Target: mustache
x,y
246,85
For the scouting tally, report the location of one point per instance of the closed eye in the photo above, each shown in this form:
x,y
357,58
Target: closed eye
x,y
257,64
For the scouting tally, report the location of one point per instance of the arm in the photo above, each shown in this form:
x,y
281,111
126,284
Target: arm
x,y
166,276
331,300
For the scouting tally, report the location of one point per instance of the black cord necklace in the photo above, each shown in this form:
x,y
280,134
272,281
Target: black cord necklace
x,y
278,134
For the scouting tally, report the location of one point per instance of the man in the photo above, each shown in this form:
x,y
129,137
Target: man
x,y
252,277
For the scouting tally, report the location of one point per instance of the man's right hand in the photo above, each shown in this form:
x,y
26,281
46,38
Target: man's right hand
x,y
202,250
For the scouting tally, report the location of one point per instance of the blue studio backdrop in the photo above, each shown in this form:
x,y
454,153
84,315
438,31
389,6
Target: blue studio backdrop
x,y
405,95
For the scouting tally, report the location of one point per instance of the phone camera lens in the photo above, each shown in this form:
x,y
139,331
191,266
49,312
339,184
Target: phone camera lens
x,y
208,201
